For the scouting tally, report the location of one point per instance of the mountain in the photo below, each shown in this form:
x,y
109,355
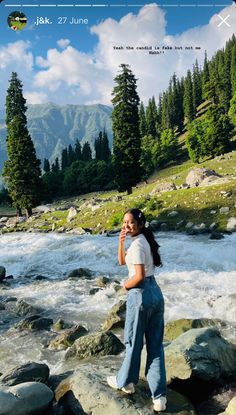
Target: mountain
x,y
53,127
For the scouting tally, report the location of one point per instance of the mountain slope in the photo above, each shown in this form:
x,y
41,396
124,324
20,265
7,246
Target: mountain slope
x,y
53,127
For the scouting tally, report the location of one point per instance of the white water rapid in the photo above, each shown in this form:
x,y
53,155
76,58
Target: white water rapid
x,y
198,279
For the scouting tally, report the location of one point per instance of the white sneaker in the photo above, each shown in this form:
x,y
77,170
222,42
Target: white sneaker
x,y
159,404
111,380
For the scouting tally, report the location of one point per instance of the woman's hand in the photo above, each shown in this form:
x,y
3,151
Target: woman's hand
x,y
122,235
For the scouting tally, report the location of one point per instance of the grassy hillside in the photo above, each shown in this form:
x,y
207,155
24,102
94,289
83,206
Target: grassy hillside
x,y
104,210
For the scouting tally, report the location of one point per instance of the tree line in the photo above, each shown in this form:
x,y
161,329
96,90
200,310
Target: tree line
x,y
202,104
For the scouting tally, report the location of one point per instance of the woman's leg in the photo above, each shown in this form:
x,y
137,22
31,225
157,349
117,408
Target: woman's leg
x,y
155,365
133,337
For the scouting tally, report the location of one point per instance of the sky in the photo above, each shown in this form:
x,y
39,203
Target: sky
x,y
74,53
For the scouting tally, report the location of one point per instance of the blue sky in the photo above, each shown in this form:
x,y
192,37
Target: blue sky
x,y
69,63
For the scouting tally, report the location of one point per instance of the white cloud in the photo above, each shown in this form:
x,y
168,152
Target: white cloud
x,y
67,75
63,43
36,97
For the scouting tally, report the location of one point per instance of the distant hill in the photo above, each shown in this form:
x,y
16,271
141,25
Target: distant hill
x,y
53,127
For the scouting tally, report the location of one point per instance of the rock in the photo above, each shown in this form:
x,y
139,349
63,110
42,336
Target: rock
x,y
44,209
189,225
116,316
2,307
231,408
163,187
173,213
224,210
102,400
59,325
28,398
98,344
216,235
22,308
77,231
3,219
95,207
200,359
196,176
67,338
29,372
200,227
154,225
2,273
94,290
35,322
231,224
12,222
175,328
80,273
101,282
72,212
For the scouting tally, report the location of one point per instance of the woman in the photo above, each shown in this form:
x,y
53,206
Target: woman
x,y
144,311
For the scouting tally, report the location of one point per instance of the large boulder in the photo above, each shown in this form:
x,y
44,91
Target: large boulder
x,y
73,394
29,372
116,316
163,187
196,176
67,337
231,224
200,358
98,344
72,212
28,398
2,273
175,328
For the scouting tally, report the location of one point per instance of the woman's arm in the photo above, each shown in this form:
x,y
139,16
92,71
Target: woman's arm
x,y
121,247
137,278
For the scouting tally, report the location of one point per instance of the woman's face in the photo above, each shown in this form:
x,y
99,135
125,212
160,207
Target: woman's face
x,y
130,225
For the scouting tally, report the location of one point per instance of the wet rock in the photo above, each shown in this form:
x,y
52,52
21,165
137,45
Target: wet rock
x,y
2,307
116,316
28,398
199,359
2,273
29,372
196,176
98,344
231,224
101,282
175,328
76,231
94,290
35,322
23,308
102,400
216,235
59,325
67,338
80,273
173,214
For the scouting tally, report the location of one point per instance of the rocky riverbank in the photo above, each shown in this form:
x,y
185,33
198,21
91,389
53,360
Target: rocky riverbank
x,y
200,362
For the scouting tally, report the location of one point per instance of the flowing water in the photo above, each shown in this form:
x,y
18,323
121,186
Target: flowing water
x,y
198,279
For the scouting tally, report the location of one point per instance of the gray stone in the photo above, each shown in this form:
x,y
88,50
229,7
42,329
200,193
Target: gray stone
x,y
76,231
28,398
116,316
196,176
3,219
2,273
35,322
163,187
22,308
202,354
189,225
80,273
102,400
98,344
173,213
29,372
175,328
67,337
224,210
231,224
72,212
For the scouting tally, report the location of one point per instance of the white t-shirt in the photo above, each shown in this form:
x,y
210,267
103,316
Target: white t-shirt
x,y
139,252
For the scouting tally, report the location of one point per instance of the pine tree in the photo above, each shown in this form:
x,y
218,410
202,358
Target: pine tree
x,y
77,150
55,166
233,67
64,159
217,135
125,124
22,169
106,153
86,152
148,154
46,166
151,117
98,146
232,110
71,155
197,86
188,98
142,121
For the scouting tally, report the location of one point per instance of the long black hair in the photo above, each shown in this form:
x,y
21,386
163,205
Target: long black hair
x,y
141,220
